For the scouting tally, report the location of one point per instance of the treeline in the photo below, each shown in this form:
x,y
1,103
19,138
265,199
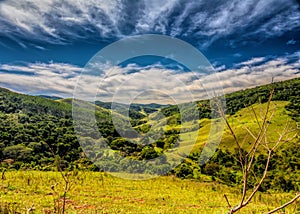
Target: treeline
x,y
284,91
34,129
224,167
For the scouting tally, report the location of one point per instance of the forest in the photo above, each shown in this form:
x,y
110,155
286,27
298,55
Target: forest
x,y
35,130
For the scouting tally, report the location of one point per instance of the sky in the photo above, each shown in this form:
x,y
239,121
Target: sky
x,y
45,45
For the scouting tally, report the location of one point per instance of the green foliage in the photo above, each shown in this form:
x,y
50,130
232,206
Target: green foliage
x,y
283,174
294,107
125,147
17,152
29,125
284,91
148,152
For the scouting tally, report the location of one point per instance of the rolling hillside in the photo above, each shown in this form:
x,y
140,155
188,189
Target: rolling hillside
x,y
33,128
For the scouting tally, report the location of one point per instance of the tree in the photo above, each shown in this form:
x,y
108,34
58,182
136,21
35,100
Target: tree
x,y
17,152
148,152
261,143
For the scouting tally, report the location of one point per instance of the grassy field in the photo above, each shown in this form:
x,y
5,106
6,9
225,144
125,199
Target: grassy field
x,y
240,120
94,192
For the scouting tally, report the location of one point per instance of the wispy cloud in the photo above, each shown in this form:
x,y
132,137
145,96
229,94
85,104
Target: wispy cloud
x,y
237,55
146,84
40,78
250,74
50,69
291,42
252,61
54,21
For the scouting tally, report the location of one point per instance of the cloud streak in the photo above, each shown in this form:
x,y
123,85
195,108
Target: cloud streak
x,y
252,61
249,76
152,84
40,78
59,22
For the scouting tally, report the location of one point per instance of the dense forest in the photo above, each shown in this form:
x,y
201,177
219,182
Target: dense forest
x,y
35,129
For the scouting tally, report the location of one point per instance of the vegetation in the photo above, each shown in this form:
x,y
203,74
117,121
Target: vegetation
x,y
37,134
263,143
95,192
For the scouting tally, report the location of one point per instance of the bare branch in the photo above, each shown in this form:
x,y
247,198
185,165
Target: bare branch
x,y
261,141
227,200
66,180
256,118
286,204
231,132
261,180
262,129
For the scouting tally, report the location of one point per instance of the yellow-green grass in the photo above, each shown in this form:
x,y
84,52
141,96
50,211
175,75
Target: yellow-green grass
x,y
94,192
240,122
246,119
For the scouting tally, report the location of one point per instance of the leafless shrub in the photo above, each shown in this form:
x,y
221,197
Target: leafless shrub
x,y
260,141
58,207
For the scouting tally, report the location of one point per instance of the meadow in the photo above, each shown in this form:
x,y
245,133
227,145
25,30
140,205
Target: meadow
x,y
37,136
96,192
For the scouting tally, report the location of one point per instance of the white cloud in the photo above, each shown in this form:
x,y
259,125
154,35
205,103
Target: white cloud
x,y
57,21
63,69
154,15
146,84
291,42
252,61
250,76
213,20
40,78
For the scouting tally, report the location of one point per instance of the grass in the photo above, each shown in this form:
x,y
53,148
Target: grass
x,y
196,139
240,120
94,192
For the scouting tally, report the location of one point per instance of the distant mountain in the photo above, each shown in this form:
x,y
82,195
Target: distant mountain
x,y
31,125
136,111
50,97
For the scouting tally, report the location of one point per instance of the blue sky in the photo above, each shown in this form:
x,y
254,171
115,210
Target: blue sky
x,y
45,44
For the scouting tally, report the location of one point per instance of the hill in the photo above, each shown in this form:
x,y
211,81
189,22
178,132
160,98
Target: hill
x,y
50,97
32,128
135,111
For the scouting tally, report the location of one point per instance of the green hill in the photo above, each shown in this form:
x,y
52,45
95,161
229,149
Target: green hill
x,y
32,127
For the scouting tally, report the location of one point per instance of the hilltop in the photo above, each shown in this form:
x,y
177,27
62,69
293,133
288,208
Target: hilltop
x,y
33,127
